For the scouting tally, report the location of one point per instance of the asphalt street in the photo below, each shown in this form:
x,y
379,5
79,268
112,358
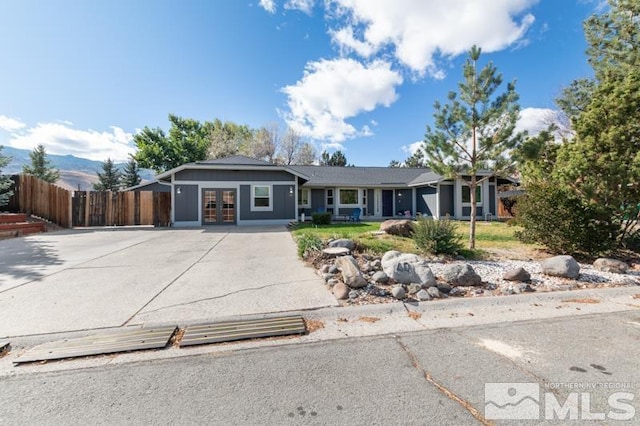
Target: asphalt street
x,y
585,370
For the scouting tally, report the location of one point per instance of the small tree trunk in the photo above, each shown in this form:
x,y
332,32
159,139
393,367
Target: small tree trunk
x,y
472,223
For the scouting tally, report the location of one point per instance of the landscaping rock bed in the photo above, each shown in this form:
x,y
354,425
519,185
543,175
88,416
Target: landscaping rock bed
x,y
359,278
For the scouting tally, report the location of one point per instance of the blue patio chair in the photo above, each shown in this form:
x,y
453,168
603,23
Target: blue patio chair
x,y
355,215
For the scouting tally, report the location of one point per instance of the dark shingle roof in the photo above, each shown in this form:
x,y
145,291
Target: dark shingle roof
x,y
236,160
364,176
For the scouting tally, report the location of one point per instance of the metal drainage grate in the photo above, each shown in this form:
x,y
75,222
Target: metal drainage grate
x,y
134,339
242,329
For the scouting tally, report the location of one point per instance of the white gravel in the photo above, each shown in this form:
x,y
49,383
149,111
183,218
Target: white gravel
x,y
492,271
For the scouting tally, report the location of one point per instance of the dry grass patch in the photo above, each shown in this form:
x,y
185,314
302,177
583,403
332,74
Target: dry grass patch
x,y
581,301
369,319
313,325
414,315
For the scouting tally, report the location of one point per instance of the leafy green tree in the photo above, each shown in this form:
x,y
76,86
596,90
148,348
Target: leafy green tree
x,y
186,142
5,182
394,164
474,130
597,172
335,159
131,176
110,178
41,166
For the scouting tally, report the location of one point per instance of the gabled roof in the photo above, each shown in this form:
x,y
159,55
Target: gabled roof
x,y
364,176
237,160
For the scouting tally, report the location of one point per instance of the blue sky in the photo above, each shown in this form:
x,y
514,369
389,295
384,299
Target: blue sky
x,y
81,77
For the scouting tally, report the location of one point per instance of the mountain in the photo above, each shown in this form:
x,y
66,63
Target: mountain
x,y
75,172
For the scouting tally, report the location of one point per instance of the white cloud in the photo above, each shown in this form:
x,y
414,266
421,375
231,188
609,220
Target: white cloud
x,y
420,30
365,131
535,120
61,139
302,5
345,39
332,91
10,124
412,148
268,5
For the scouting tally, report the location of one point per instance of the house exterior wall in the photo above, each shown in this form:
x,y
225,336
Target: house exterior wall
x,y
446,200
493,200
153,186
466,211
427,200
283,203
186,203
403,200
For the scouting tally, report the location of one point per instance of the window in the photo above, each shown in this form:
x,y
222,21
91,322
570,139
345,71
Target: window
x,y
329,197
303,198
261,198
466,194
349,196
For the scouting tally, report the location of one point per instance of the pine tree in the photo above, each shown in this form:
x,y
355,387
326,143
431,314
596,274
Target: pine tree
x,y
474,130
109,179
335,159
5,182
131,176
41,166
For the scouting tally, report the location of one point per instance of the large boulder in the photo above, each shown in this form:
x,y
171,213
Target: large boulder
x,y
461,275
341,291
351,274
407,268
343,242
517,274
610,265
561,266
401,228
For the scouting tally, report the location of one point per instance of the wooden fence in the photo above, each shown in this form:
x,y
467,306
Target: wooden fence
x,y
89,208
37,197
105,208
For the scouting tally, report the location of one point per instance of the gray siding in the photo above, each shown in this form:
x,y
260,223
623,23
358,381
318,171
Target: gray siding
x,y
466,211
370,202
446,200
404,201
427,201
317,200
234,175
186,203
492,200
284,204
154,186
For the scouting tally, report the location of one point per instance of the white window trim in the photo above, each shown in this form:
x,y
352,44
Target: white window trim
x,y
468,203
308,203
253,197
358,195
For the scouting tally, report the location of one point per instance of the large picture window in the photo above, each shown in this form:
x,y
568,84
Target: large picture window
x,y
261,198
466,194
349,196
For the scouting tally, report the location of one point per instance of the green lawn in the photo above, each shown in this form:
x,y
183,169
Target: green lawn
x,y
489,235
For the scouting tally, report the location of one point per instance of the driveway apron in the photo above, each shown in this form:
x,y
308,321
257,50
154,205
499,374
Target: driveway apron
x,y
80,280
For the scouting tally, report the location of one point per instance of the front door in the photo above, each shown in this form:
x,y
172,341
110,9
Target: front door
x,y
218,206
387,202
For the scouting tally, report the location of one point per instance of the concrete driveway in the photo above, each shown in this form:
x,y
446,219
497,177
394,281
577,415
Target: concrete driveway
x,y
87,279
